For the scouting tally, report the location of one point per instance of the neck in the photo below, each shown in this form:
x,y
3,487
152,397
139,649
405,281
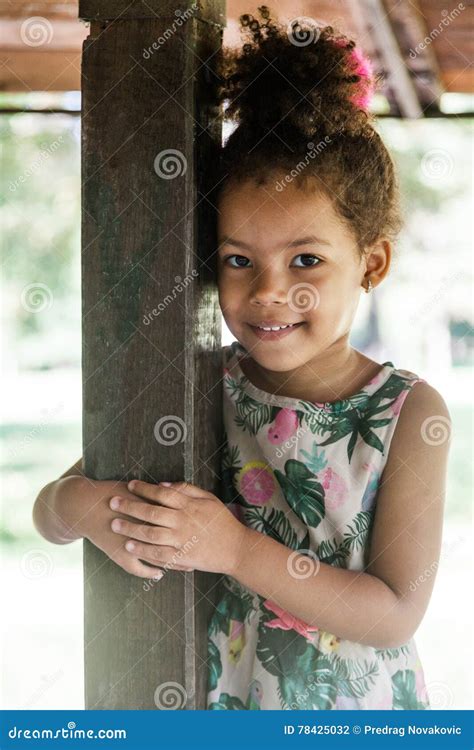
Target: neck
x,y
332,375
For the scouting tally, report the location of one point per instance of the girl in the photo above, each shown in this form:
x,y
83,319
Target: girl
x,y
333,469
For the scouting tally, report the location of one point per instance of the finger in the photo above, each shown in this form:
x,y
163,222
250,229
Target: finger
x,y
155,514
145,533
136,567
155,554
158,491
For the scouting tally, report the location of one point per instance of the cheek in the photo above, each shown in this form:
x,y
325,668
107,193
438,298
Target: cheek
x,y
231,292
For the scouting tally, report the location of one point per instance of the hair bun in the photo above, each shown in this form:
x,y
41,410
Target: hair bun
x,y
302,81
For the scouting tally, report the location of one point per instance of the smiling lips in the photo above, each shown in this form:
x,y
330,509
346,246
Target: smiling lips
x,y
271,329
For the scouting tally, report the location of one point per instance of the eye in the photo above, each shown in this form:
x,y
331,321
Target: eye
x,y
309,257
240,257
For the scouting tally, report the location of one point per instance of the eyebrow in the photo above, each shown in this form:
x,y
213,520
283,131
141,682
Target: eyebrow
x,y
310,239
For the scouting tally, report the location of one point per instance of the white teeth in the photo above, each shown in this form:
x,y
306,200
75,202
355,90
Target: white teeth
x,y
275,328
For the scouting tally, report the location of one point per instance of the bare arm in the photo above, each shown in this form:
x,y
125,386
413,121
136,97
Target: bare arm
x,y
53,511
75,506
382,606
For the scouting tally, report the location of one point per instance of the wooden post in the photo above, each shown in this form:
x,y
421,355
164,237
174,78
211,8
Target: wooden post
x,y
151,326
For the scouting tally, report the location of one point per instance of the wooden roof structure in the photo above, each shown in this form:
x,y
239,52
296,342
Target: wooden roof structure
x,y
421,47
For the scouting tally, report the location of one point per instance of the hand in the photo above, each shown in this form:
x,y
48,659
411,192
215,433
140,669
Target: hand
x,y
87,506
181,523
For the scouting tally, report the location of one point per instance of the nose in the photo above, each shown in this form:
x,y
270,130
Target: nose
x,y
268,288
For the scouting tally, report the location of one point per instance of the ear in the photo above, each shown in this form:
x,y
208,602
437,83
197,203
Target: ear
x,y
378,257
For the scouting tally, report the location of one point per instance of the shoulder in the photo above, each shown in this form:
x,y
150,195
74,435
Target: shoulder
x,y
422,402
423,430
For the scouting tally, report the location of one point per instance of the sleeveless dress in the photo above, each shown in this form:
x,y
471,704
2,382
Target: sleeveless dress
x,y
306,474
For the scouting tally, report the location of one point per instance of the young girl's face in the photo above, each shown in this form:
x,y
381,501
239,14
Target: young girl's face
x,y
286,258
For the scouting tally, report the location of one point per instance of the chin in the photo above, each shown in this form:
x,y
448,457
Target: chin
x,y
277,361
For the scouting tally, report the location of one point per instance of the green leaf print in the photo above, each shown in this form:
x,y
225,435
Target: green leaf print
x,y
316,460
302,491
251,415
214,665
354,423
404,691
311,683
319,422
335,553
227,702
318,679
353,678
278,649
230,607
273,523
392,653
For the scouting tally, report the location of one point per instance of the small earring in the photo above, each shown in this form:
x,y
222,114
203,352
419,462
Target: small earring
x,y
369,286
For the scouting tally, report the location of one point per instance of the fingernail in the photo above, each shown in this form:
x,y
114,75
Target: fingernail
x,y
116,524
131,484
115,503
130,546
166,484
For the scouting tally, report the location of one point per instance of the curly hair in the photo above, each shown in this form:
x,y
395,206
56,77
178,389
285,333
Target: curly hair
x,y
306,91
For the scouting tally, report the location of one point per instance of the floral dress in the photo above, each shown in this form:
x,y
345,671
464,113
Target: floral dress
x,y
306,474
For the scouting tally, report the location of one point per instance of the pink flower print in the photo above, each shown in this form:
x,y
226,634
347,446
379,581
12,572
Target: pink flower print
x,y
287,621
384,703
323,405
256,482
335,488
283,427
398,403
236,640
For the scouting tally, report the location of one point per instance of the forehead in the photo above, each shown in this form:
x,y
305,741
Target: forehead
x,y
261,213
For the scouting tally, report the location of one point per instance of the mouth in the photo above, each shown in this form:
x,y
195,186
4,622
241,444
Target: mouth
x,y
271,333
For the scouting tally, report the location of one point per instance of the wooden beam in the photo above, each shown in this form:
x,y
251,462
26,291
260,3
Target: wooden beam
x,y
410,29
151,326
374,24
